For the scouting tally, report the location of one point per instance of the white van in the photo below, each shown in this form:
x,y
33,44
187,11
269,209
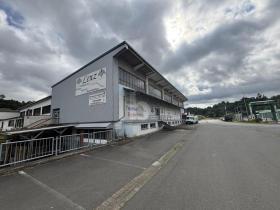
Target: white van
x,y
191,119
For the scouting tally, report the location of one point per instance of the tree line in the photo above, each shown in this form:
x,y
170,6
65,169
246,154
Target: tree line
x,y
225,107
12,104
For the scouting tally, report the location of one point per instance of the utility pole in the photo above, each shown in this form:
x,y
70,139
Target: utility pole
x,y
246,108
225,109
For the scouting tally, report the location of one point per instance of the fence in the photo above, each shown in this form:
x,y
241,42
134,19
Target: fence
x,y
22,151
73,142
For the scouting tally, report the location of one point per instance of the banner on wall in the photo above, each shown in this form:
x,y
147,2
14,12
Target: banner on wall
x,y
97,98
93,81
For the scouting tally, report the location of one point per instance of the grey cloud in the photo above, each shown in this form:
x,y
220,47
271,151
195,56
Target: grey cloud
x,y
249,88
226,53
233,40
80,30
91,27
139,22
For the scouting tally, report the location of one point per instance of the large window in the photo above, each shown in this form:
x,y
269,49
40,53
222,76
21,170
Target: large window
x,y
175,101
153,125
29,112
129,80
37,111
11,123
181,104
22,114
167,97
144,126
46,109
154,92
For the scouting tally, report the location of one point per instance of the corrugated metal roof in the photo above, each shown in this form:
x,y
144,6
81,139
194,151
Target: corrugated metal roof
x,y
38,129
36,102
93,125
7,110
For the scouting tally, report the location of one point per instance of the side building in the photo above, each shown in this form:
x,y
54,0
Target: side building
x,y
118,90
37,114
8,118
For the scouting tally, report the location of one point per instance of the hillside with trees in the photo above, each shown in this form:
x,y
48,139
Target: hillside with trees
x,y
11,104
240,106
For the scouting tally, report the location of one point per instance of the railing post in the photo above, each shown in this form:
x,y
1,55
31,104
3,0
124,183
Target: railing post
x,y
53,142
56,145
0,152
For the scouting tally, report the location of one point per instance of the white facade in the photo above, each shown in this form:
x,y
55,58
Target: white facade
x,y
8,119
141,114
7,124
35,114
39,105
8,114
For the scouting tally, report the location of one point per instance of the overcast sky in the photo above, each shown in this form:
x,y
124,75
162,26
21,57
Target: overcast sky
x,y
210,50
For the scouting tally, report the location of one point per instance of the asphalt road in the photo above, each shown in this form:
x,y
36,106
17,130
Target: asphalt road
x,y
222,166
219,166
84,181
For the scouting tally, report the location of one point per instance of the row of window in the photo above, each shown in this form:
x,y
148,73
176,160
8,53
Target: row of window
x,y
18,123
129,80
37,111
167,97
174,122
154,92
146,126
176,102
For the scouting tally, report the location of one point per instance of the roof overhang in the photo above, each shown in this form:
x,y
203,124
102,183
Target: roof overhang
x,y
38,129
93,125
130,56
267,102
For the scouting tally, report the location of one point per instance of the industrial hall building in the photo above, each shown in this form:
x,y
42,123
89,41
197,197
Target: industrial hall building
x,y
119,90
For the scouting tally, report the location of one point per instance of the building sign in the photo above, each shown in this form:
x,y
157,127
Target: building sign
x,y
91,82
97,98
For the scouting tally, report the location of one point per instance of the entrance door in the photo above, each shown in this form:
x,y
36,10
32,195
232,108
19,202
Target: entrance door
x,y
55,114
157,111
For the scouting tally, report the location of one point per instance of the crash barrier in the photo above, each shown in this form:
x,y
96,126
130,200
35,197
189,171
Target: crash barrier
x,y
16,152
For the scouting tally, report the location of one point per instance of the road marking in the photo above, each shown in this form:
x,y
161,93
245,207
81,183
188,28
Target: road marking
x,y
84,155
58,195
122,196
156,163
115,161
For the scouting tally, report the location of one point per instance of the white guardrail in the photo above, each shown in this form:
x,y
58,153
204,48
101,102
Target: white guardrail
x,y
21,151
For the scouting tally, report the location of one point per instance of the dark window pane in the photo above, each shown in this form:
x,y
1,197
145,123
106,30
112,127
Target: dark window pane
x,y
46,109
37,111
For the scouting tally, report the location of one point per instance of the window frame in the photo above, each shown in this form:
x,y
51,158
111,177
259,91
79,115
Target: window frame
x,y
11,123
144,126
130,80
153,125
35,111
48,107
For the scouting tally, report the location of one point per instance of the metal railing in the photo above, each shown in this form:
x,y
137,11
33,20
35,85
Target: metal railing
x,y
21,151
77,141
155,118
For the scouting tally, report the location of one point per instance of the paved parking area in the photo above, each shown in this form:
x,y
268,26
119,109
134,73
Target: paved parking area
x,y
84,181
